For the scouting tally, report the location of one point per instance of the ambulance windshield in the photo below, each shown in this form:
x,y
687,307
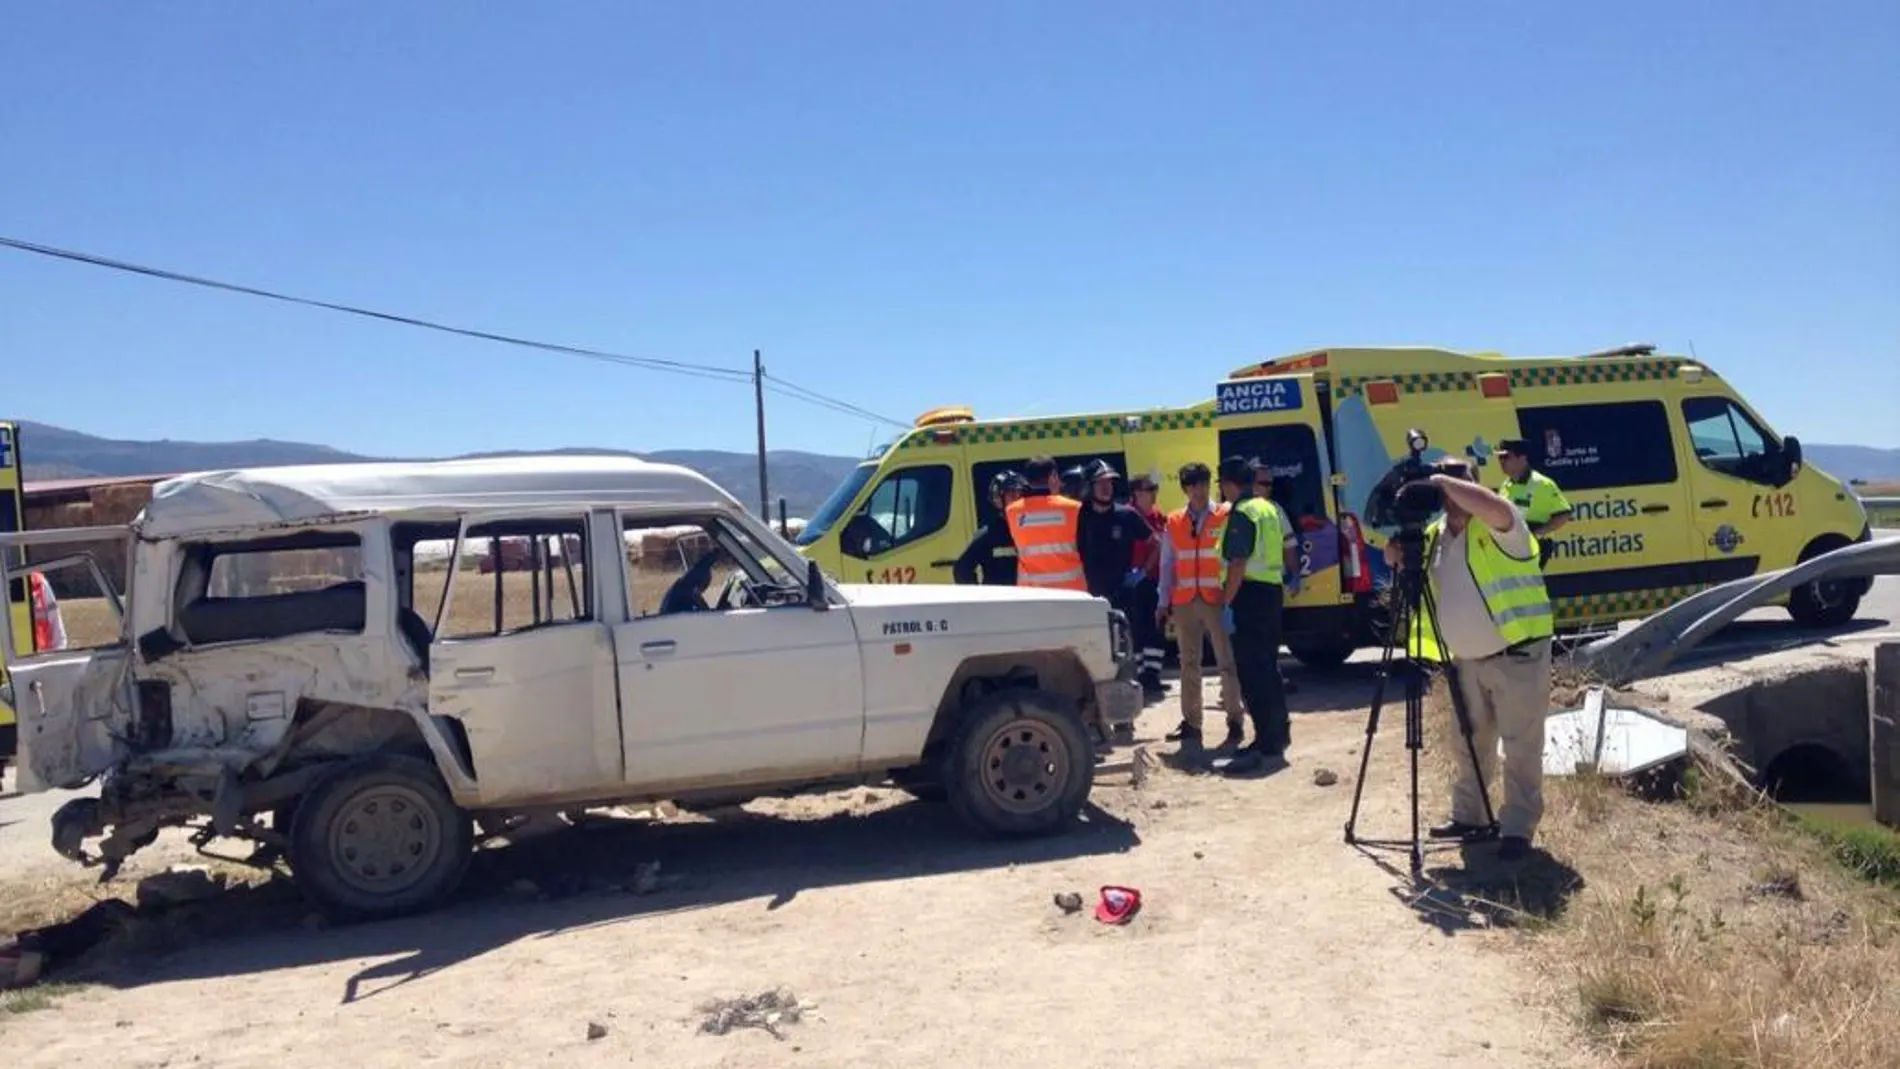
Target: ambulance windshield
x,y
832,510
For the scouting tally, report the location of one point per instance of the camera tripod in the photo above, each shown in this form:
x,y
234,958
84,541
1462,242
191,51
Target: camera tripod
x,y
1413,595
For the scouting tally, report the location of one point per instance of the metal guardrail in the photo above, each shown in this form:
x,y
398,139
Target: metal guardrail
x,y
1883,508
1650,646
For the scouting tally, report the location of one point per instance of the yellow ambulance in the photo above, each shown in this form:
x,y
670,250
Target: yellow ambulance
x,y
19,607
1675,482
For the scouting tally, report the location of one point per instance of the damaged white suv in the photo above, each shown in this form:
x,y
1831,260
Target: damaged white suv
x,y
364,667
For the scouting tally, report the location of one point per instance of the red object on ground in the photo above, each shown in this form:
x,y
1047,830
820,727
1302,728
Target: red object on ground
x,y
1117,904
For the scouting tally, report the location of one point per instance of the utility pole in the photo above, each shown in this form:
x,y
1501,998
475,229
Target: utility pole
x,y
758,404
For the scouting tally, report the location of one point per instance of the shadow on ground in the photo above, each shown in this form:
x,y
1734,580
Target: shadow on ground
x,y
575,878
1483,893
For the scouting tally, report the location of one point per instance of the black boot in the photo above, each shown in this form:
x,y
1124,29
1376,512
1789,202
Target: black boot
x,y
1183,732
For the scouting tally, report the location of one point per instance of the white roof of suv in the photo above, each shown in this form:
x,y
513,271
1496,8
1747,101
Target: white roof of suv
x,y
262,497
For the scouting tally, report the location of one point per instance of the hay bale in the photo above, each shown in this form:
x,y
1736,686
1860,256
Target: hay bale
x,y
119,503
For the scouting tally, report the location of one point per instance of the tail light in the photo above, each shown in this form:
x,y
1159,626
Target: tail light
x,y
1352,556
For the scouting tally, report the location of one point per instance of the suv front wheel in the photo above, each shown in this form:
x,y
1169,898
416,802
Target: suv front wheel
x,y
1022,764
379,837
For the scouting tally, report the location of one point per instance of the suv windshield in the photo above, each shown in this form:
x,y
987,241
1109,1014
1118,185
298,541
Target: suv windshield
x,y
832,510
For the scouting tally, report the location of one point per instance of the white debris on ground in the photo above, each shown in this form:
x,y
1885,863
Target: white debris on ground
x,y
766,1011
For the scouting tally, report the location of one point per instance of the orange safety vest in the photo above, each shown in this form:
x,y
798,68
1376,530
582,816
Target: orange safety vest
x,y
42,612
1197,561
1043,528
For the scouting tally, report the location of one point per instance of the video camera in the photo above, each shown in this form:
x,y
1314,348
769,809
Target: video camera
x,y
1405,497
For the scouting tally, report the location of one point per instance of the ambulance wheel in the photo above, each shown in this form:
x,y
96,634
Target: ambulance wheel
x,y
1022,765
1825,602
379,837
1322,654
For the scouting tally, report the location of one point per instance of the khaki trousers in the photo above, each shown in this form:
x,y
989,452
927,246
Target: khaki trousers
x,y
1508,697
1194,621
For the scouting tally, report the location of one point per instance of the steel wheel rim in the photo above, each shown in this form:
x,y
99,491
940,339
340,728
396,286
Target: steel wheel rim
x,y
385,840
1025,764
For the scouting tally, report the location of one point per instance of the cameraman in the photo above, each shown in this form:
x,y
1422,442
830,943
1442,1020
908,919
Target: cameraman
x,y
1497,624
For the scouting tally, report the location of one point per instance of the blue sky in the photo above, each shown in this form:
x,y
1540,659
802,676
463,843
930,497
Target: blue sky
x,y
1034,207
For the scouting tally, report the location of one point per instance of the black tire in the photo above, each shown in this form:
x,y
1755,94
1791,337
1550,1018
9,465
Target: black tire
x,y
1040,792
425,848
1825,602
1322,654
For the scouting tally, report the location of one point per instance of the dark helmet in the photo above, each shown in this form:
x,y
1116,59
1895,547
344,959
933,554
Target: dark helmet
x,y
1101,469
1008,482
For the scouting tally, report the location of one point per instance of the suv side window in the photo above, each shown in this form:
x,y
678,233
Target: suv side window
x,y
1726,440
682,563
1598,446
271,588
910,504
512,575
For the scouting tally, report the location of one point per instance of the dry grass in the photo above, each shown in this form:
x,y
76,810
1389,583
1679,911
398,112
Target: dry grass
x,y
1712,931
89,621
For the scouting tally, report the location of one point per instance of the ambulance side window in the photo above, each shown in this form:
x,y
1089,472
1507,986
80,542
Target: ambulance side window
x,y
1599,446
910,504
1726,440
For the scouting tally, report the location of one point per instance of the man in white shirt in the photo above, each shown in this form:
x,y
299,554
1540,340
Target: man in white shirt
x,y
1495,627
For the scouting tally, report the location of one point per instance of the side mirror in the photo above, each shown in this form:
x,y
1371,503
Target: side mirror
x,y
815,587
1790,458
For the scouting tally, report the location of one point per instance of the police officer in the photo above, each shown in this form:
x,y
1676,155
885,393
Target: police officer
x,y
1073,482
991,552
1259,552
1535,494
1495,615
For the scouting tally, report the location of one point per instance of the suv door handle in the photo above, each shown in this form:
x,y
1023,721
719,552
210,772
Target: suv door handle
x,y
475,673
661,648
1651,510
1714,503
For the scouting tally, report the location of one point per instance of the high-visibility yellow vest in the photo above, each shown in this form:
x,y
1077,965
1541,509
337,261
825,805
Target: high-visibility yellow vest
x,y
1267,562
1513,591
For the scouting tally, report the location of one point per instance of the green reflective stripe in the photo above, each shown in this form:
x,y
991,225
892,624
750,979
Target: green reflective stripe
x,y
1522,612
1511,582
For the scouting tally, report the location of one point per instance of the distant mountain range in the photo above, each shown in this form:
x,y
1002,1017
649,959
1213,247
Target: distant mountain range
x,y
802,479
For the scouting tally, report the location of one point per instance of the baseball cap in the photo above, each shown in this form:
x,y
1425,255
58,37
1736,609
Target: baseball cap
x,y
1515,446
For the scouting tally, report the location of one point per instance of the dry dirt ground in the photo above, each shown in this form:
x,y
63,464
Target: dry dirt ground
x,y
1263,940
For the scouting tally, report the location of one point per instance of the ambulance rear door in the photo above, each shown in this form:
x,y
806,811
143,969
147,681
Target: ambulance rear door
x,y
1281,419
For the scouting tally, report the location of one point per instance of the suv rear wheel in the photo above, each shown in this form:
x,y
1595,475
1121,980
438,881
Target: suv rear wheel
x,y
1022,764
379,837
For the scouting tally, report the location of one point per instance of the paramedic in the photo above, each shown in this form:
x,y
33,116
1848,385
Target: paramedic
x,y
991,552
1481,560
1191,591
1259,552
1042,525
1143,610
1535,494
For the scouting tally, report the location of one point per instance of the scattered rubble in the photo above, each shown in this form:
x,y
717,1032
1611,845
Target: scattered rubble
x,y
1324,777
1068,901
766,1011
596,1030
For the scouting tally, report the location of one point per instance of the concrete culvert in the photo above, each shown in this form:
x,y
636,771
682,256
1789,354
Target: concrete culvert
x,y
1811,772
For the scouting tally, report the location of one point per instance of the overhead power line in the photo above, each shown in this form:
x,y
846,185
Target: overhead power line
x,y
673,367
